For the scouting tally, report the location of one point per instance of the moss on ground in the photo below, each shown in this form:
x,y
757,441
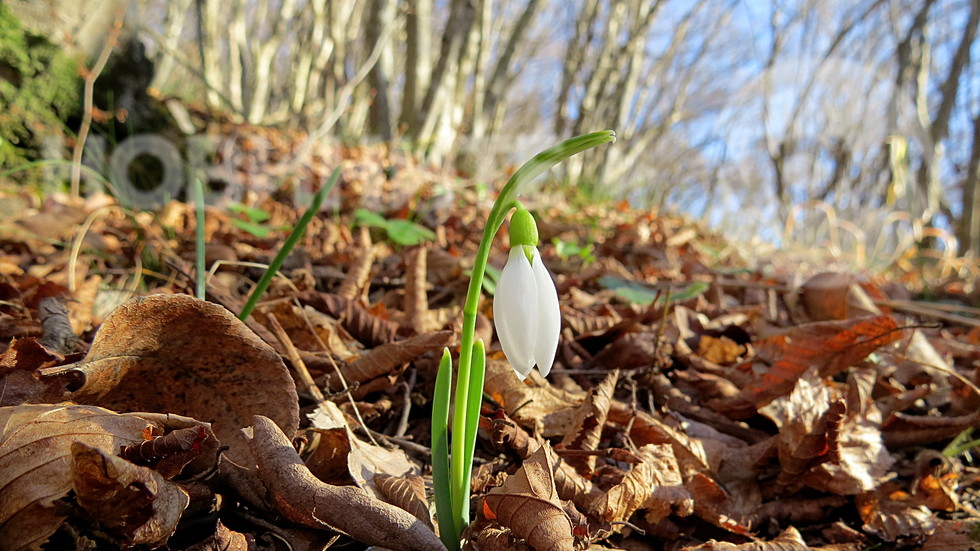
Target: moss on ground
x,y
40,87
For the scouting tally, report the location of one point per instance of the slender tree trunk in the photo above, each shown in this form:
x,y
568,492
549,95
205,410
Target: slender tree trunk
x,y
574,59
418,61
381,15
461,16
969,235
503,73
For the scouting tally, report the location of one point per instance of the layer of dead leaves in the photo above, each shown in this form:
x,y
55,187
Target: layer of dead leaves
x,y
754,413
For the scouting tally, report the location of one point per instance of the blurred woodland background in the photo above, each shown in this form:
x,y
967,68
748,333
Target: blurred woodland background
x,y
864,114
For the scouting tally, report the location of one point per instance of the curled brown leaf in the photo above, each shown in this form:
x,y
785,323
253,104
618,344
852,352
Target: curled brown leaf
x,y
135,504
303,499
527,503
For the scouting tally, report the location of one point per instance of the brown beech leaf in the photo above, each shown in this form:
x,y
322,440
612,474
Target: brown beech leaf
x,y
892,513
58,335
719,350
795,511
416,296
369,329
549,411
902,430
655,484
303,499
167,454
827,347
809,421
383,359
356,282
133,503
864,462
954,535
175,353
713,503
35,461
406,492
223,539
590,419
18,383
527,503
789,540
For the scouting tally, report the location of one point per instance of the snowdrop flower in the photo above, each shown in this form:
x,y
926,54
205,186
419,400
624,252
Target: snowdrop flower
x,y
525,305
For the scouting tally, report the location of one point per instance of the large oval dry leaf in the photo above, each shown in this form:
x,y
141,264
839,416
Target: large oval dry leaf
x,y
35,462
177,354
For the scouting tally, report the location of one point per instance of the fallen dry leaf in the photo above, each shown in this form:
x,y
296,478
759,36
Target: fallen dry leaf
x,y
892,513
590,419
223,539
654,484
827,347
954,535
541,407
132,503
406,492
36,458
527,503
789,540
303,499
383,359
174,353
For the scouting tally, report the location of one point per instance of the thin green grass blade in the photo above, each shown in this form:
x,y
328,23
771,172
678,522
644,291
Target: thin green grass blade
x,y
199,207
291,241
448,532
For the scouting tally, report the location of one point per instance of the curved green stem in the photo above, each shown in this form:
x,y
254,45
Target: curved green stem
x,y
461,448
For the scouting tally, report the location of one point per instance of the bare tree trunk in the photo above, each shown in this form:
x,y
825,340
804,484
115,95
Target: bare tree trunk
x,y
461,15
322,50
173,27
574,58
237,46
480,41
418,61
209,46
381,15
264,54
503,74
969,235
605,61
938,128
626,86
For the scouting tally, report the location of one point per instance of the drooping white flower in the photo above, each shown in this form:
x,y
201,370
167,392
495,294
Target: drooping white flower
x,y
525,307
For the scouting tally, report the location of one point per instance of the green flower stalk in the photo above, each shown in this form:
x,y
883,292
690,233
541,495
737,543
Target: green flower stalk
x,y
451,472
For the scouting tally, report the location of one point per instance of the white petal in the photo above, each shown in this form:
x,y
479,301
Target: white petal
x,y
515,311
549,317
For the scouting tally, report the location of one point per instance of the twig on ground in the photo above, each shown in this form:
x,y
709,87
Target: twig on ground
x,y
90,77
